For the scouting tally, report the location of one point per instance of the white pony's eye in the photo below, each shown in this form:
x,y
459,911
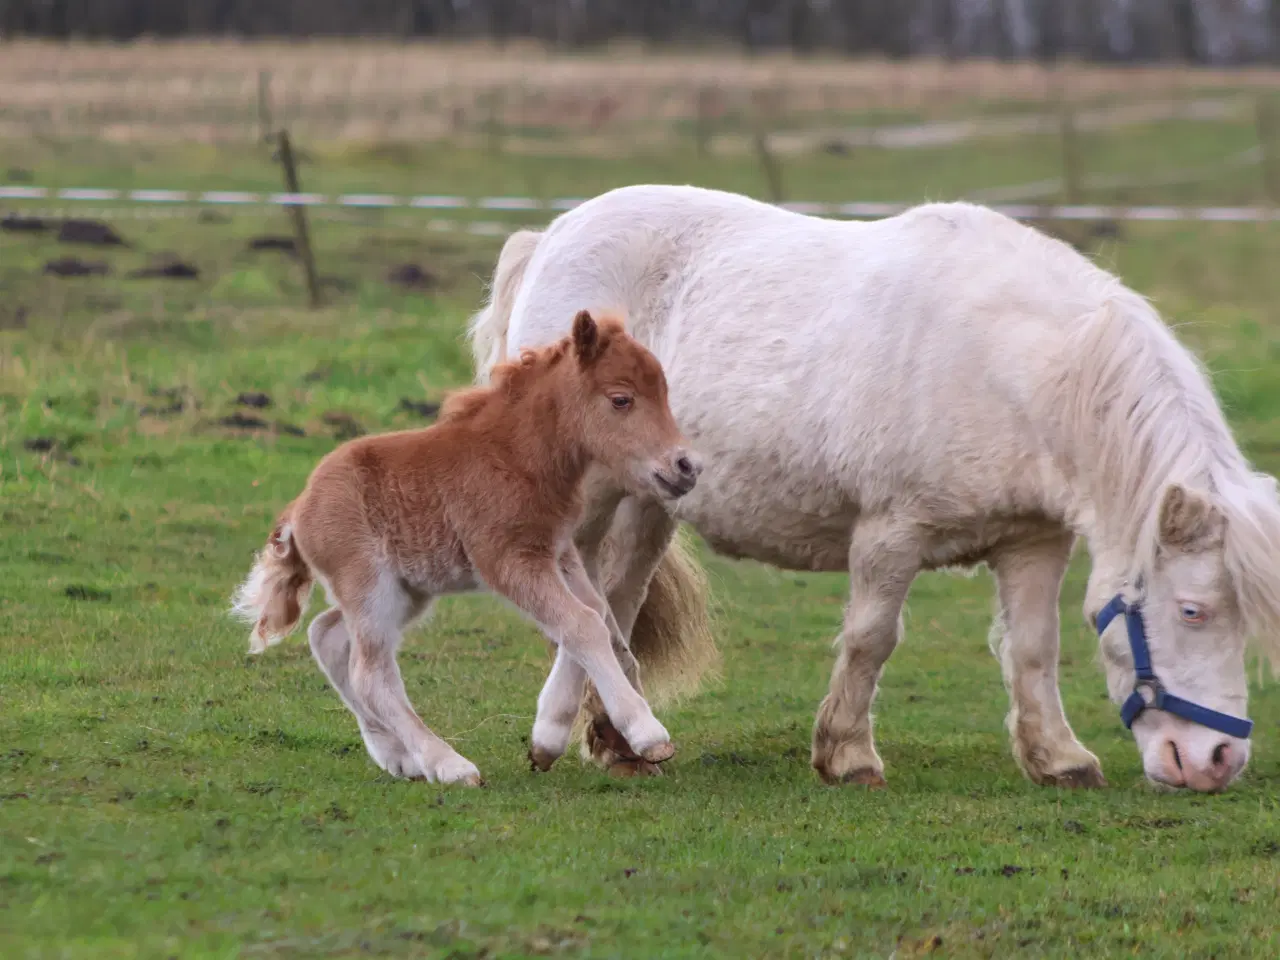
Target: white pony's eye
x,y
1192,613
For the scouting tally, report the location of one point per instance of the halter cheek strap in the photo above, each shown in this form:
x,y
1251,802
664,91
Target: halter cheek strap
x,y
1148,691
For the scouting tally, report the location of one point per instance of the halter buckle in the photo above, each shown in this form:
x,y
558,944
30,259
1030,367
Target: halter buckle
x,y
1151,690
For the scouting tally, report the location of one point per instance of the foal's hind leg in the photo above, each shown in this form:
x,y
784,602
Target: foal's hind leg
x,y
884,558
379,689
331,646
1029,578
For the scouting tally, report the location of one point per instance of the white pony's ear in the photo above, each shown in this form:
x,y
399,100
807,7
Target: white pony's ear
x,y
1190,521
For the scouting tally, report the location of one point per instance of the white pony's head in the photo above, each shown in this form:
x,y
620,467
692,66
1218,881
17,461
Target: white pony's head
x,y
1204,582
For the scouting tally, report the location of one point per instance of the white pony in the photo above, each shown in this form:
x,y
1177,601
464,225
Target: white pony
x,y
942,388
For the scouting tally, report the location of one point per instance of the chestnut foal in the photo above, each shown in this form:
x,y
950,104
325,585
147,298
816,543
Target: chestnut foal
x,y
488,497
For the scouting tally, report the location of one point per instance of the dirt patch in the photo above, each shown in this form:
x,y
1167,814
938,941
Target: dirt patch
x,y
79,591
346,426
16,224
241,421
75,267
273,242
410,276
92,232
425,410
166,267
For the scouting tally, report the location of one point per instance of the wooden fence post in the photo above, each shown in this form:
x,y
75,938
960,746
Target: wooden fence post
x,y
302,235
264,105
1269,144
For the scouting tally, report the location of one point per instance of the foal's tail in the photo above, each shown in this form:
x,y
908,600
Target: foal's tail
x,y
275,595
488,328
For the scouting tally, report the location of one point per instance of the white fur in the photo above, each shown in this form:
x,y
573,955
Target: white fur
x,y
939,388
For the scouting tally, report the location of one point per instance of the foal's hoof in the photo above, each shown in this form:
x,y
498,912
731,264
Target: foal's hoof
x,y
626,769
540,761
864,777
659,752
1080,778
605,735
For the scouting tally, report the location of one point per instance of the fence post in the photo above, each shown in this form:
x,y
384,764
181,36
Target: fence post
x,y
264,105
1069,140
1267,143
768,162
302,236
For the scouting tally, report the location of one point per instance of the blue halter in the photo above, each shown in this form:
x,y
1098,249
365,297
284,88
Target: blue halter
x,y
1148,691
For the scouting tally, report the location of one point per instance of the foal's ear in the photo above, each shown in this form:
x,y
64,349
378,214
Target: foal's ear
x,y
586,338
1189,520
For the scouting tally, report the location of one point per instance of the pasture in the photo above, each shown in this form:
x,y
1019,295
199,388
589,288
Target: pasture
x,y
164,794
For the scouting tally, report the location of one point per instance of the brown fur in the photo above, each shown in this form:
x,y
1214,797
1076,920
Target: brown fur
x,y
489,495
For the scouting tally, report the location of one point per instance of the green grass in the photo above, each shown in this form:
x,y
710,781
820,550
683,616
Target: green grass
x,y
163,794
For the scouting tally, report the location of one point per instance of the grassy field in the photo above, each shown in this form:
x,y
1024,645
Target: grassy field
x,y
162,794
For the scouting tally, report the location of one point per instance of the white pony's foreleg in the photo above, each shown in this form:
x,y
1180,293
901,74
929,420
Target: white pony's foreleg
x,y
1029,579
884,557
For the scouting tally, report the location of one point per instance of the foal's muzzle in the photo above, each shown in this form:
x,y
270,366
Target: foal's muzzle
x,y
681,476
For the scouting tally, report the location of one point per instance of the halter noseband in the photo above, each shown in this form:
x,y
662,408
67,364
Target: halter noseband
x,y
1148,691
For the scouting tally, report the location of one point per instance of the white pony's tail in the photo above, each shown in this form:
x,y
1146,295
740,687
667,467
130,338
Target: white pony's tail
x,y
488,328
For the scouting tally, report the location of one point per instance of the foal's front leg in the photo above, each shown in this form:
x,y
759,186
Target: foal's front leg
x,y
1029,579
641,531
561,695
541,592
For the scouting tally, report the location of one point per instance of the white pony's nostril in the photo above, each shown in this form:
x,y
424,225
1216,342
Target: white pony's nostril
x,y
1221,755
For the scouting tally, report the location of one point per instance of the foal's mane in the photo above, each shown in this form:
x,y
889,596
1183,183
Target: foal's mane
x,y
1138,412
507,381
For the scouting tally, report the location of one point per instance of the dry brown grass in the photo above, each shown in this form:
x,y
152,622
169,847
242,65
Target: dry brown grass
x,y
378,91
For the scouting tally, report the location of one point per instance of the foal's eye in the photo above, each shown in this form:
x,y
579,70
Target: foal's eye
x,y
1192,613
620,402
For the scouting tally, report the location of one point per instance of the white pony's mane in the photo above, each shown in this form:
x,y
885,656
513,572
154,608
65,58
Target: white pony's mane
x,y
1138,414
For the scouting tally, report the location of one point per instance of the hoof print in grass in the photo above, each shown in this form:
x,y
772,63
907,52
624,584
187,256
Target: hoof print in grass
x,y
273,242
78,591
410,276
243,422
16,224
253,398
75,267
170,268
346,426
428,411
92,232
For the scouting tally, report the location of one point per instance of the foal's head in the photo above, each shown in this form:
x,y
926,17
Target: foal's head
x,y
626,423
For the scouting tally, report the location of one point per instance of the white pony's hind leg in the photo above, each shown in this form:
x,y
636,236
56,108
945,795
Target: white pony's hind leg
x,y
884,558
1029,579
